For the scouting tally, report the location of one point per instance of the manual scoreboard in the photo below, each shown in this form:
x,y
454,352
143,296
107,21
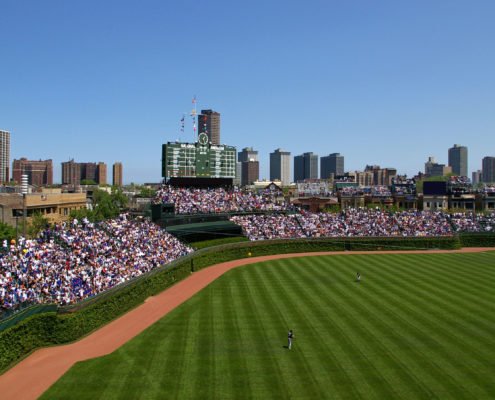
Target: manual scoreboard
x,y
198,160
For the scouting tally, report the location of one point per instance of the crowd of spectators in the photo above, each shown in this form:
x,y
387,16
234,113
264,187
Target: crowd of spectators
x,y
380,191
473,222
351,191
274,226
488,189
219,200
76,260
353,222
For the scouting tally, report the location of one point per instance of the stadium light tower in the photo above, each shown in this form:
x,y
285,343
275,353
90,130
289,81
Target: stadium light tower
x,y
24,190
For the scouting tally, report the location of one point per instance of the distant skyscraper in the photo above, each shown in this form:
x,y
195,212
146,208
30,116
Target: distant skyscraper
x,y
73,173
250,167
117,175
40,173
305,166
250,172
280,166
429,165
477,177
4,156
458,160
101,173
331,164
209,123
488,169
238,174
247,154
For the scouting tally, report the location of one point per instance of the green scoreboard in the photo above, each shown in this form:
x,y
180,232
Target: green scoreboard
x,y
198,160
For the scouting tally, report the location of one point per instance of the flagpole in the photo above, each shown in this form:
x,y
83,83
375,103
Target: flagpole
x,y
194,114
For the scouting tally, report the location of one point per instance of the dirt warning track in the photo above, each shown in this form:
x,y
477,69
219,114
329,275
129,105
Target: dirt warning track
x,y
36,373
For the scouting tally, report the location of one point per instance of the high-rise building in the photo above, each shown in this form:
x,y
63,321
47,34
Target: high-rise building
x,y
209,123
305,166
488,169
458,160
250,172
331,164
247,154
429,164
117,175
40,173
102,173
4,156
238,174
73,173
280,166
477,177
381,176
432,168
250,167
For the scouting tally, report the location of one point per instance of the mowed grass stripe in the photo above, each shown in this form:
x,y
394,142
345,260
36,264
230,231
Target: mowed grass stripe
x,y
367,338
376,385
176,382
374,336
438,300
439,273
373,282
237,371
204,378
419,345
261,361
394,335
313,338
438,341
425,281
471,307
295,370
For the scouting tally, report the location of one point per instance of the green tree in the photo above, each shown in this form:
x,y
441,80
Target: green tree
x,y
146,192
38,223
108,205
7,232
88,182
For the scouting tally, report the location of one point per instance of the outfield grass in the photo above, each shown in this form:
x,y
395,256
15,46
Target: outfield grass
x,y
415,327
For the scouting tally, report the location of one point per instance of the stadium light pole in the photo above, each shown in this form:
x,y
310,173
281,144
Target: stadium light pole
x,y
24,190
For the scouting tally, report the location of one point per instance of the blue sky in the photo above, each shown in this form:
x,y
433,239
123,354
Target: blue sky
x,y
381,82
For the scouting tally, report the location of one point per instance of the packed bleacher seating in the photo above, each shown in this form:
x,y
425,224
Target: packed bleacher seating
x,y
275,226
473,222
488,189
351,191
73,261
350,223
219,200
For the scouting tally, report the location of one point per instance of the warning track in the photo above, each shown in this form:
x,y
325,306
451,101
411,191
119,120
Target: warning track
x,y
36,373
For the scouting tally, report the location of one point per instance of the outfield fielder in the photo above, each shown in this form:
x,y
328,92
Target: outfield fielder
x,y
290,336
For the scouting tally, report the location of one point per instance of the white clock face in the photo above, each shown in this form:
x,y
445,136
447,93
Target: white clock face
x,y
203,138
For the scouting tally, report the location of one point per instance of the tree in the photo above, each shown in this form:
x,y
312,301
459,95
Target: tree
x,y
7,232
147,192
38,223
106,205
88,182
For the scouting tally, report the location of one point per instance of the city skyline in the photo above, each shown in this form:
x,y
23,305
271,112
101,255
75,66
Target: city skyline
x,y
384,83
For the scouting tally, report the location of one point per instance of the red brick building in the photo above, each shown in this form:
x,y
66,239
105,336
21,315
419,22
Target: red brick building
x,y
40,173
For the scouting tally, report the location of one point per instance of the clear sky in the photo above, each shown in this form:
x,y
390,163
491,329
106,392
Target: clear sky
x,y
381,82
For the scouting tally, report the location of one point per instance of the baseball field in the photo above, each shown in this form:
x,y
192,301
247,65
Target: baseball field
x,y
417,326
